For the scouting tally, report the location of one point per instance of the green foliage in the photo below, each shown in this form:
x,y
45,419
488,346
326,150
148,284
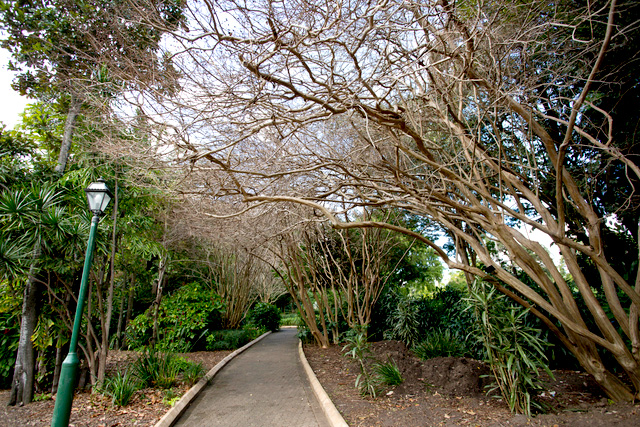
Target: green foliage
x,y
290,319
121,388
41,397
192,372
441,343
147,367
158,369
230,339
170,397
358,348
9,332
404,322
513,349
264,315
184,318
169,369
388,373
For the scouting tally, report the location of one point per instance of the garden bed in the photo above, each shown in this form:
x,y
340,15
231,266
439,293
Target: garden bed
x,y
448,391
95,410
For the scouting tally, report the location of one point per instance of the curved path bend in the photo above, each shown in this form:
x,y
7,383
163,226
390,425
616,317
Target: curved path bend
x,y
264,386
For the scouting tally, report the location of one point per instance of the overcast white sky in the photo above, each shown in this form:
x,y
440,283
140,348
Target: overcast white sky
x,y
11,103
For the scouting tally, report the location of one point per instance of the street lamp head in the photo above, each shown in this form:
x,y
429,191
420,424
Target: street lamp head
x,y
98,195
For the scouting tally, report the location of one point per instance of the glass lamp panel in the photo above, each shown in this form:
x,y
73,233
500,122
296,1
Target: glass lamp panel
x,y
105,201
95,199
98,196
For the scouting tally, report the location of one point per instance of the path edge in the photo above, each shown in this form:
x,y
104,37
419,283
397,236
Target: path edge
x,y
181,406
330,411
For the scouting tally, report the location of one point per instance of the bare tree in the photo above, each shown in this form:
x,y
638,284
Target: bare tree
x,y
476,117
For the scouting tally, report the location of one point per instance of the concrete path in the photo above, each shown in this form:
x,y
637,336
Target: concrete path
x,y
264,386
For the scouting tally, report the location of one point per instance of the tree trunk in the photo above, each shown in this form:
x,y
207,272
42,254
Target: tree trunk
x,y
156,303
56,370
67,137
127,317
104,348
120,319
24,371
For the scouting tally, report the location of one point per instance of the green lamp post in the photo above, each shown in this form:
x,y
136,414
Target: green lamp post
x,y
98,195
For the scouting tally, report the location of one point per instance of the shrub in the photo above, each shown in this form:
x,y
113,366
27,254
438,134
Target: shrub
x,y
404,322
513,349
121,388
9,334
229,339
441,343
388,372
266,316
358,348
185,318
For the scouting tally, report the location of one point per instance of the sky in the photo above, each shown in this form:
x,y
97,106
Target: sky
x,y
11,103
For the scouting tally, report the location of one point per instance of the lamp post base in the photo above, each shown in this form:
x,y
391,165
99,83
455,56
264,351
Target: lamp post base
x,y
64,396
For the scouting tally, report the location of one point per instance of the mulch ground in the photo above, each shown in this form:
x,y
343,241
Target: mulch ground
x,y
95,410
448,391
440,392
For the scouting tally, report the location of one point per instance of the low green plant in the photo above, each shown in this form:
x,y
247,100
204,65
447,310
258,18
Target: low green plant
x,y
358,348
147,367
192,373
440,343
513,349
158,369
120,387
388,373
229,339
170,396
39,397
170,367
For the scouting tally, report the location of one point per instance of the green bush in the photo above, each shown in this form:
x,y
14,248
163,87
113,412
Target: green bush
x,y
230,339
184,318
265,316
404,322
514,350
441,343
121,388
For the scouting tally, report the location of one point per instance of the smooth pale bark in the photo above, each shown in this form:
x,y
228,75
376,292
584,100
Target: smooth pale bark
x,y
156,303
67,136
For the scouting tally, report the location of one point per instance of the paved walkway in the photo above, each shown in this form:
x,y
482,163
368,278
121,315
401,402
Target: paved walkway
x,y
264,386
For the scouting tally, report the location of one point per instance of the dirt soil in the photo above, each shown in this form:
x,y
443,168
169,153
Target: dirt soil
x,y
95,410
448,391
444,391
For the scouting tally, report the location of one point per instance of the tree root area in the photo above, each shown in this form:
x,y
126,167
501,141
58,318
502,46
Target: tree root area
x,y
449,391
